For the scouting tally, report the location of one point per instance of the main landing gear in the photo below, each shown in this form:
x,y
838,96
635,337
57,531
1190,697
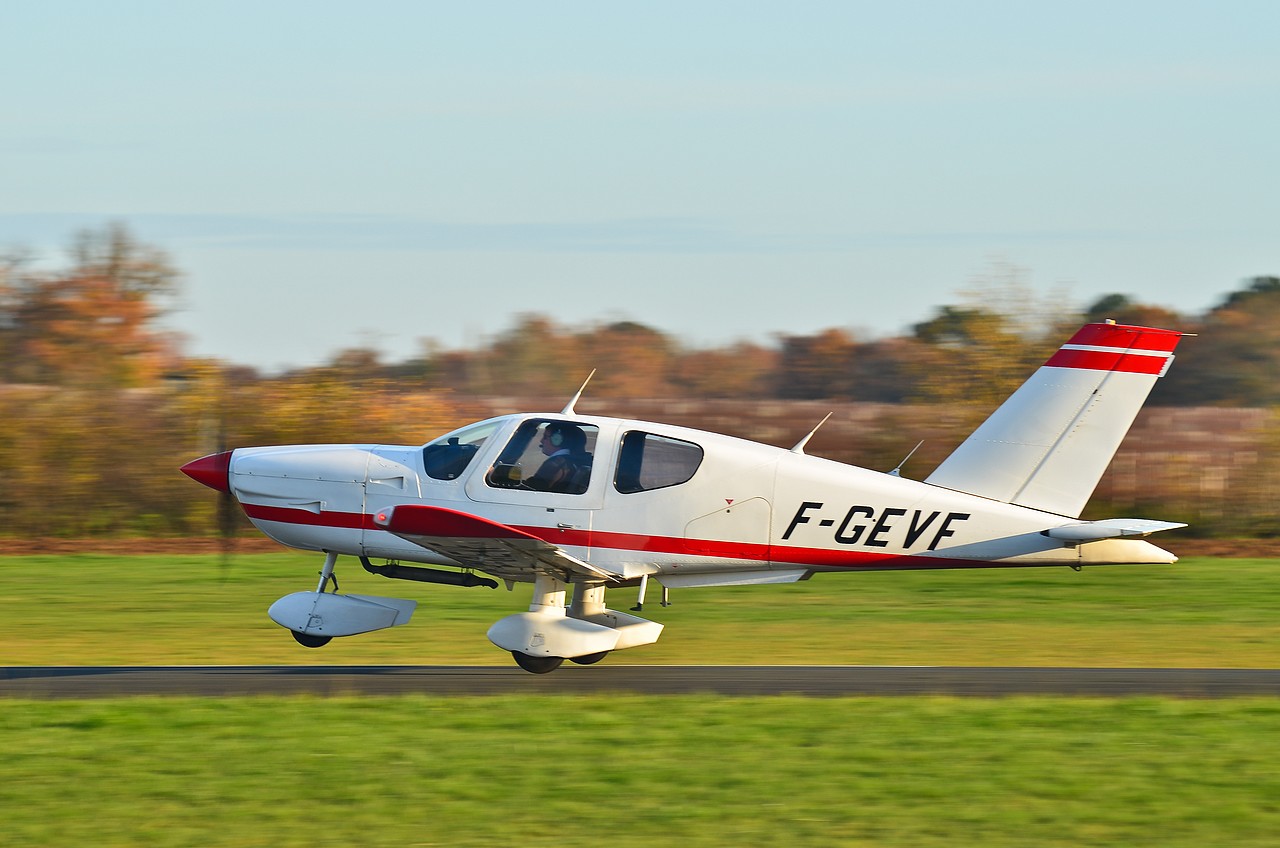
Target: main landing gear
x,y
584,632
539,665
545,665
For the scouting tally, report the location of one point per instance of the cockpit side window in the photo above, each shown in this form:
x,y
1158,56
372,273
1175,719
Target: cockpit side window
x,y
546,455
448,456
648,461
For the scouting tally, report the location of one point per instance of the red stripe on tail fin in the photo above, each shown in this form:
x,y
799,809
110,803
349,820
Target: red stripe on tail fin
x,y
1127,337
1048,444
1099,360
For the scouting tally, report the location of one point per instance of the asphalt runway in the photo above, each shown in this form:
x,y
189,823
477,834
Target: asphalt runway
x,y
818,681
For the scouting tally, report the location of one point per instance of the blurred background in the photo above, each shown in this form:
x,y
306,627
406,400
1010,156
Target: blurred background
x,y
99,405
294,222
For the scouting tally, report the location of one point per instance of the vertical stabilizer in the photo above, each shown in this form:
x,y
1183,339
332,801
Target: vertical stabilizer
x,y
1047,446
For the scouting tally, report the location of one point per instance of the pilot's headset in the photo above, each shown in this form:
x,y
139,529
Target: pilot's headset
x,y
555,435
565,435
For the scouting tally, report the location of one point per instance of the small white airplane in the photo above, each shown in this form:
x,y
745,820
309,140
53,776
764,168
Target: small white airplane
x,y
560,499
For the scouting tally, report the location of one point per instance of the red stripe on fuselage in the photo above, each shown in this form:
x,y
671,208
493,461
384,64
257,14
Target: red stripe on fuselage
x,y
287,515
664,544
644,543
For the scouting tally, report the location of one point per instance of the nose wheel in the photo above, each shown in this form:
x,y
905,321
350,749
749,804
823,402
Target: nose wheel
x,y
310,640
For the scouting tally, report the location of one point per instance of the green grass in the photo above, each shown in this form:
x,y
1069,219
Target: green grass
x,y
634,770
623,771
161,610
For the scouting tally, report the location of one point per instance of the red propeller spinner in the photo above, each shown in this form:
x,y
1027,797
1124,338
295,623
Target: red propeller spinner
x,y
212,470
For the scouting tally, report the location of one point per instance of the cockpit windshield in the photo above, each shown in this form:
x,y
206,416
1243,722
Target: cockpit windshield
x,y
448,456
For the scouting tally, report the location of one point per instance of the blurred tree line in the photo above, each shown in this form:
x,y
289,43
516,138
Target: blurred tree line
x,y
976,352
98,406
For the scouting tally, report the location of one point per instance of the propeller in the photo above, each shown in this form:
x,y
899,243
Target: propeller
x,y
214,471
226,521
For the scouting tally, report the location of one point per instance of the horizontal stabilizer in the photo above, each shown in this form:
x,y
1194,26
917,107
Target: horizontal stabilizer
x,y
1114,528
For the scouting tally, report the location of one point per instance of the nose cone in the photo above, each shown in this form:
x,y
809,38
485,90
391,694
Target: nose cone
x,y
212,470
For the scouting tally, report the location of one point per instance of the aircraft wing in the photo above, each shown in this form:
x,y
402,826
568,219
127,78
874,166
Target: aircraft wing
x,y
480,543
1113,528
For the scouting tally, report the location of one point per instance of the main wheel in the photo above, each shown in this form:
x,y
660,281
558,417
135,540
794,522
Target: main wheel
x,y
589,659
310,640
537,665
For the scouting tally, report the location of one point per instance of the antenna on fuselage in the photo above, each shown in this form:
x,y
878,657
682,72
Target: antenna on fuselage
x,y
799,448
897,470
568,409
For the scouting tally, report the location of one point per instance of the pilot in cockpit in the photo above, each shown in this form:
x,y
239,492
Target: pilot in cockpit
x,y
567,463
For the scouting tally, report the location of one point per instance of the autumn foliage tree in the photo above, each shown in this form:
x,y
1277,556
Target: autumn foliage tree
x,y
1235,358
92,324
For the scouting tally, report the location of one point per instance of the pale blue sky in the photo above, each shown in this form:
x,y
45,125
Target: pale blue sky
x,y
337,174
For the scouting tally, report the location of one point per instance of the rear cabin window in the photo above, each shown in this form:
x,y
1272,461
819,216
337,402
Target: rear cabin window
x,y
448,456
648,462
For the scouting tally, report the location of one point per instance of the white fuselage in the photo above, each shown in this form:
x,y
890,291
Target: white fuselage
x,y
749,513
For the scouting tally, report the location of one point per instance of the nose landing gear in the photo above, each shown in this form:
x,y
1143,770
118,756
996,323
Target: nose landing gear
x,y
310,640
315,618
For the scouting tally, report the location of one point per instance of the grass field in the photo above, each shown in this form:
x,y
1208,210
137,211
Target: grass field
x,y
641,771
631,770
165,610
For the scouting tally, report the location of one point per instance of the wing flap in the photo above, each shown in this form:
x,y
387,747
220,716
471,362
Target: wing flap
x,y
481,543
